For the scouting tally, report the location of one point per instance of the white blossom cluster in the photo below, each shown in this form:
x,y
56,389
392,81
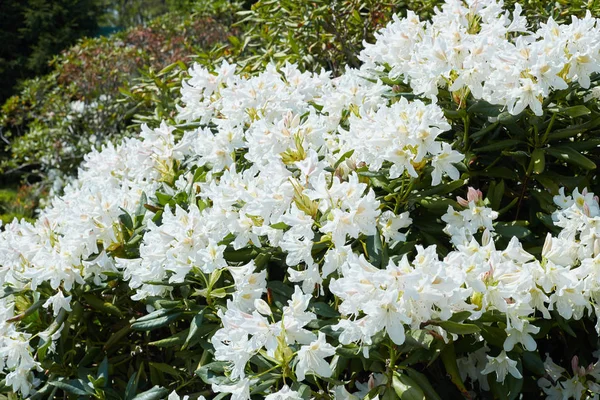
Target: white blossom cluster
x,y
269,149
68,243
279,162
477,47
579,382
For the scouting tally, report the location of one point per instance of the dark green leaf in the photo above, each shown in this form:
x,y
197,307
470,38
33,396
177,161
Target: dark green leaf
x,y
375,249
448,357
194,327
538,161
131,387
406,388
73,387
424,384
576,111
212,372
533,362
344,156
458,328
324,310
156,393
571,156
501,145
512,229
148,325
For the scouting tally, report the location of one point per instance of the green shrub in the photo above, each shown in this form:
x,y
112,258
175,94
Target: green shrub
x,y
57,118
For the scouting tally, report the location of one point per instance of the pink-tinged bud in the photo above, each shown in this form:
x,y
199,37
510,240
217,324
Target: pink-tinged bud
x,y
584,191
371,382
575,365
489,274
462,201
586,209
582,371
597,199
474,194
590,368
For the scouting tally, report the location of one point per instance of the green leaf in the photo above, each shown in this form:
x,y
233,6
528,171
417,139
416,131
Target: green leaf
x,y
496,200
324,310
103,369
512,229
563,324
344,156
538,161
479,134
166,368
482,107
263,385
576,111
460,316
168,69
548,183
101,305
493,335
212,372
73,387
533,362
131,388
587,144
437,202
501,145
448,357
442,189
280,225
156,393
406,388
155,323
194,327
303,390
458,328
154,314
423,383
571,156
171,341
375,249
126,220
574,130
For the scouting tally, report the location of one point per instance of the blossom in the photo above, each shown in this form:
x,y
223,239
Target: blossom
x,y
501,365
239,390
284,394
311,358
58,302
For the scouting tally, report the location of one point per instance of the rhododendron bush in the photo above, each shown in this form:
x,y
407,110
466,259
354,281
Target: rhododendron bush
x,y
423,227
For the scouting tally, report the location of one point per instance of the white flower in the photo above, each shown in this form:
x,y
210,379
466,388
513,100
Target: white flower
x,y
390,225
239,390
58,302
442,164
311,358
501,365
284,394
174,396
522,335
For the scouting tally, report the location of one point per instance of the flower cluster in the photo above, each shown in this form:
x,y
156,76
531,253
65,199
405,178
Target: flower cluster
x,y
282,206
477,47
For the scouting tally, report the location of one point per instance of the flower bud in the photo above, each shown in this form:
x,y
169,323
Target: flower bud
x,y
262,307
